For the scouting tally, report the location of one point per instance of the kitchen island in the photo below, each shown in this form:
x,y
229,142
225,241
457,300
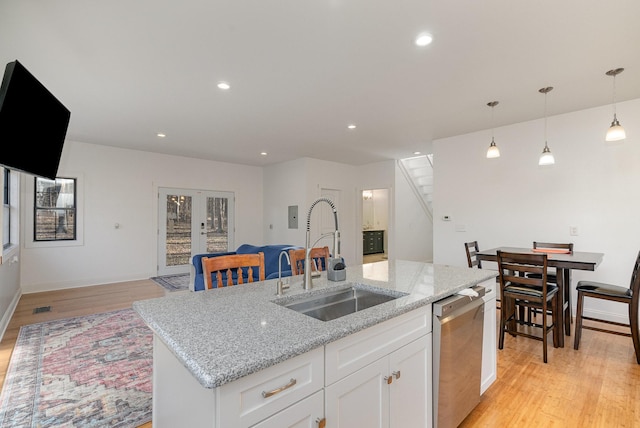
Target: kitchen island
x,y
236,356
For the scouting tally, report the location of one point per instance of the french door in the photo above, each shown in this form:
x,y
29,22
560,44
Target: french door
x,y
192,222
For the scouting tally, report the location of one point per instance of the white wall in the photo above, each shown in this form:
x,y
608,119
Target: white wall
x,y
121,186
414,232
299,183
512,201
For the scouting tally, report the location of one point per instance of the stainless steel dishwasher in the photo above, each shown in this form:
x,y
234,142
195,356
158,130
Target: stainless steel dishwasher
x,y
457,356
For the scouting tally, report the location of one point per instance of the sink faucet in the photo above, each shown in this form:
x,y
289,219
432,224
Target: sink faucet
x,y
280,286
306,283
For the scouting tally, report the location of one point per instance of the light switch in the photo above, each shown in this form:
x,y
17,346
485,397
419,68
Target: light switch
x,y
293,216
573,230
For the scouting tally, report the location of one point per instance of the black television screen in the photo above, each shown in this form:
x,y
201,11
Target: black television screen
x,y
33,124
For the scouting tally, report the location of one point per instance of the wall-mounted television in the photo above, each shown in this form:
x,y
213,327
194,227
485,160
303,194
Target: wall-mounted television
x,y
33,124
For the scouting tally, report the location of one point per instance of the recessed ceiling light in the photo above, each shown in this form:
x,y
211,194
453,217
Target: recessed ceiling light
x,y
263,153
424,39
352,126
416,153
223,85
161,135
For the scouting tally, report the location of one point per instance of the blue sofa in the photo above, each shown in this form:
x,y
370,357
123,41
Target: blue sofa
x,y
271,258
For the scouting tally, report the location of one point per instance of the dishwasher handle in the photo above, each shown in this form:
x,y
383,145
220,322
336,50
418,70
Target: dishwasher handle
x,y
449,305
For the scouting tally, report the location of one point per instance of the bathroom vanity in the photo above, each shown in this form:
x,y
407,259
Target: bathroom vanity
x,y
372,242
242,356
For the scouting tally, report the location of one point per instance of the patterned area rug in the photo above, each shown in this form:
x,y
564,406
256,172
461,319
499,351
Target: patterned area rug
x,y
177,282
90,371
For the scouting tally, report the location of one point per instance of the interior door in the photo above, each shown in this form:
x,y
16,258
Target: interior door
x,y
375,216
192,222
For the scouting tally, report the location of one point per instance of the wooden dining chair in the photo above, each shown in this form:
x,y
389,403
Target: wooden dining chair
x,y
553,278
472,249
517,289
551,274
233,269
629,296
319,259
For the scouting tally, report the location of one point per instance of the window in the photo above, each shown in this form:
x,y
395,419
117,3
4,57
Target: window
x,y
6,209
55,205
10,213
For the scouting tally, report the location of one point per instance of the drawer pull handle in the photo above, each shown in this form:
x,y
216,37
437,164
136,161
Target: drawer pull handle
x,y
267,394
396,374
388,379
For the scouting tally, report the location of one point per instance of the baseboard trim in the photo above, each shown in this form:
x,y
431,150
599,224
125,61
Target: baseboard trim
x,y
4,322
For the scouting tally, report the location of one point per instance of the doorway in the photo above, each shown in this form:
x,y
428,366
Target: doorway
x,y
192,222
375,225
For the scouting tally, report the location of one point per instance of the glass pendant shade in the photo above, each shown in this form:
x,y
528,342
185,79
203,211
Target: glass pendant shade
x,y
546,158
615,132
493,151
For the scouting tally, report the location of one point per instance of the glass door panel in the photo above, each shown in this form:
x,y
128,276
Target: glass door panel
x,y
192,222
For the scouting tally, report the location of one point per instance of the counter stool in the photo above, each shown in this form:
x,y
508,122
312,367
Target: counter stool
x,y
629,296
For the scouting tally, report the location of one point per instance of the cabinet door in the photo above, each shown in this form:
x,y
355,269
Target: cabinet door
x,y
489,334
304,414
378,244
360,399
410,401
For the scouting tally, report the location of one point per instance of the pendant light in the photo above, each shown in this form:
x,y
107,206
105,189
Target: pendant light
x,y
493,151
546,158
616,131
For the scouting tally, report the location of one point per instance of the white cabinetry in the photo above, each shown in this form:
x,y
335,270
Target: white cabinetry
x,y
304,414
377,377
489,348
386,378
411,387
180,401
361,399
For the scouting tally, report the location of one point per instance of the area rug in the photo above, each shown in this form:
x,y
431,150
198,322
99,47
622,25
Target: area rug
x,y
89,371
176,282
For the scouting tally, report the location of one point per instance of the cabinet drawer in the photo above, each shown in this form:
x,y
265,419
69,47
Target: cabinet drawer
x,y
303,414
346,355
243,402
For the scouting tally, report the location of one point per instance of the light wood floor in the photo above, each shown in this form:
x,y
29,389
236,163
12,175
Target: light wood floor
x,y
72,303
372,258
596,386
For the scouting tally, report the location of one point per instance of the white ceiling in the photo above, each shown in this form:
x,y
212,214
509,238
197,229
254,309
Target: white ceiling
x,y
302,70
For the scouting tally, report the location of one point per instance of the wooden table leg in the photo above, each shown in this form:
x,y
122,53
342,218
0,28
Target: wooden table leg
x,y
567,294
564,301
560,304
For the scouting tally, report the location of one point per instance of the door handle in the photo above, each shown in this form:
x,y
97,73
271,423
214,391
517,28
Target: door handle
x,y
396,374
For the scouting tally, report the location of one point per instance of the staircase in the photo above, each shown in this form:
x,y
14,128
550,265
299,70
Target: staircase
x,y
419,173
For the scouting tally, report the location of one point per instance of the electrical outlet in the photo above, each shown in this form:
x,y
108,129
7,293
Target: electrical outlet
x,y
573,230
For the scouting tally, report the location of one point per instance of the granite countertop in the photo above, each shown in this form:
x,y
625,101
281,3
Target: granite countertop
x,y
224,334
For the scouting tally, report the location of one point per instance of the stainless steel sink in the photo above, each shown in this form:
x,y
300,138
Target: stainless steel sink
x,y
334,304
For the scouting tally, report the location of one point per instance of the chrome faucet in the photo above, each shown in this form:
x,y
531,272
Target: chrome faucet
x,y
280,286
306,283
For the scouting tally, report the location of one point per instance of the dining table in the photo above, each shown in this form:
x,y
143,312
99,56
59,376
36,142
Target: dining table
x,y
564,262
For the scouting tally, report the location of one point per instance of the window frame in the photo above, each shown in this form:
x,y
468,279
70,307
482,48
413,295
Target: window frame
x,y
11,194
66,210
29,215
6,209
